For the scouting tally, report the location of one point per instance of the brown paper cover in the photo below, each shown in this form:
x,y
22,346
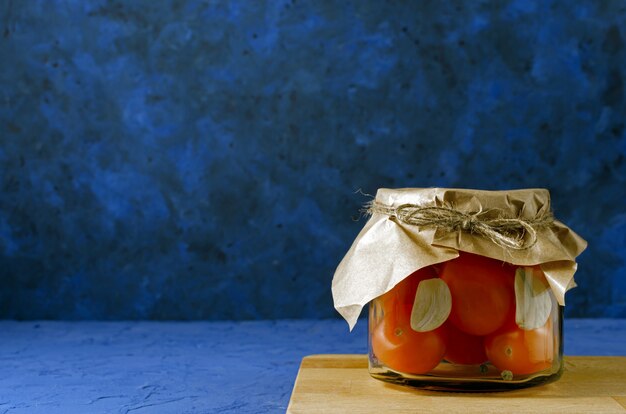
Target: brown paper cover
x,y
388,250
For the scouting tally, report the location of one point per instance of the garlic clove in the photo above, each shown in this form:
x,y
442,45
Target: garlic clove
x,y
432,305
533,302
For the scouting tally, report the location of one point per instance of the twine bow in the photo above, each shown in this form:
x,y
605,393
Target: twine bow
x,y
513,233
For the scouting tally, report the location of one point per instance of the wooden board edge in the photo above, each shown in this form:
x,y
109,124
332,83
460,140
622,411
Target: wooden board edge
x,y
621,401
335,361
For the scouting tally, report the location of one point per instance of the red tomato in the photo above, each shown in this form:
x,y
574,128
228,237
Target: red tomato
x,y
482,292
403,294
519,351
402,349
462,348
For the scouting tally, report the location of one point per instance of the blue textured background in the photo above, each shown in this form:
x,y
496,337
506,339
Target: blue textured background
x,y
189,159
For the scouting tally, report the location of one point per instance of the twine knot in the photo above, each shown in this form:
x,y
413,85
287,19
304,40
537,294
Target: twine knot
x,y
468,223
510,232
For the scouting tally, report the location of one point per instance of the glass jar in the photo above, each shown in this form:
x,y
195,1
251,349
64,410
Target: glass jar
x,y
501,330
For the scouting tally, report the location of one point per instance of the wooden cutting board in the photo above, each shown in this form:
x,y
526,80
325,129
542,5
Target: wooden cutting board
x,y
342,384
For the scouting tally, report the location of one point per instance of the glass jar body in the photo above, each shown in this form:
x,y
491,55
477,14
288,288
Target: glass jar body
x,y
492,340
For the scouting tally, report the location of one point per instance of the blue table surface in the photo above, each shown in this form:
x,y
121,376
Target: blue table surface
x,y
191,367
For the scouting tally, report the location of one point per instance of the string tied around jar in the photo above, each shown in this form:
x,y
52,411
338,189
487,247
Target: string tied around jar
x,y
516,233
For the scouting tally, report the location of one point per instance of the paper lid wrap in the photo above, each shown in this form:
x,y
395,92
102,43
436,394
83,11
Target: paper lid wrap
x,y
387,249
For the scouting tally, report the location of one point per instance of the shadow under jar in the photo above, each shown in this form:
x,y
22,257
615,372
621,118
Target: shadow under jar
x,y
502,331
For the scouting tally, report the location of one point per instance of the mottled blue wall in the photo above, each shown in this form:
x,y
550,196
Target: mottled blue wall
x,y
193,159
